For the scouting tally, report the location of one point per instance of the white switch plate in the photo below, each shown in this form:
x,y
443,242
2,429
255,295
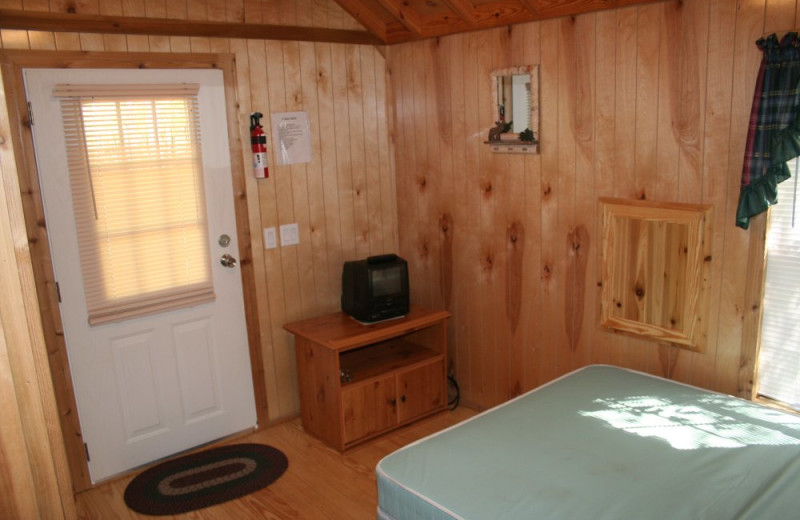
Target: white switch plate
x,y
289,235
270,238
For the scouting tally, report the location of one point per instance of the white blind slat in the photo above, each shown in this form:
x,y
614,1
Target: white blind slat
x,y
136,177
779,360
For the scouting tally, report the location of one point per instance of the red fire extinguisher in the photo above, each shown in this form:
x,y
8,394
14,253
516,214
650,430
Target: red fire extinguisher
x,y
258,145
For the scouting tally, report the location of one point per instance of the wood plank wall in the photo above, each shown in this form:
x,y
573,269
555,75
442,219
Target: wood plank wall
x,y
639,102
647,102
343,201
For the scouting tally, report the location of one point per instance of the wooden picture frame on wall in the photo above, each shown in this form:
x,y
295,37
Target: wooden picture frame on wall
x,y
655,260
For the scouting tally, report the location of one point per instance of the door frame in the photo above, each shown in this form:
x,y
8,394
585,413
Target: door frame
x,y
12,63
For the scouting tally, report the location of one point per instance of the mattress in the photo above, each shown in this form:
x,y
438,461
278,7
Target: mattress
x,y
602,443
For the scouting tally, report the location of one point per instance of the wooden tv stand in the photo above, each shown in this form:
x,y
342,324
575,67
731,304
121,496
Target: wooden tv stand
x,y
358,381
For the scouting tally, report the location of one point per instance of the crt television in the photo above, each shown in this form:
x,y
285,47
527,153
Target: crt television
x,y
375,288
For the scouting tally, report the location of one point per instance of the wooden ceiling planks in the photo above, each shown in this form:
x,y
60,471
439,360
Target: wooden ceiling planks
x,y
385,21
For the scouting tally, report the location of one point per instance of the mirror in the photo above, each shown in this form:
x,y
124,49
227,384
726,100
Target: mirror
x,y
515,107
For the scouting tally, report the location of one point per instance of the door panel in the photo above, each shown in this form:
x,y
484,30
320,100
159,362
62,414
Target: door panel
x,y
134,374
197,374
151,386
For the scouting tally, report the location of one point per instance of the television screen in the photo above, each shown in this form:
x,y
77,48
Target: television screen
x,y
386,281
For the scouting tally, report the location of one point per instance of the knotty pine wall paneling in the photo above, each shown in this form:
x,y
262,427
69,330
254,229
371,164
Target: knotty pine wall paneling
x,y
643,102
343,201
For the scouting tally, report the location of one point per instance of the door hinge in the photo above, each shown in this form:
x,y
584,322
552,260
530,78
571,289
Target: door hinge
x,y
30,114
58,292
86,449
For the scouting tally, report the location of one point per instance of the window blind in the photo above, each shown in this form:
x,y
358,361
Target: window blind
x,y
136,177
779,360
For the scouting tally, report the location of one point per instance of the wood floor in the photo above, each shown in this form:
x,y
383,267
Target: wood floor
x,y
320,483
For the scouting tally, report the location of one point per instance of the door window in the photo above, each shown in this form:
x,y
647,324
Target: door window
x,y
137,187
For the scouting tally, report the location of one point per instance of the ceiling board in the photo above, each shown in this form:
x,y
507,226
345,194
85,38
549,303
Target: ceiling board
x,y
384,21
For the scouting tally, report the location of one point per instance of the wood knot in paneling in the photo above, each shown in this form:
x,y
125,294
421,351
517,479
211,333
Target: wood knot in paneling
x,y
323,80
353,78
445,223
446,257
487,262
515,233
423,248
577,260
486,188
514,269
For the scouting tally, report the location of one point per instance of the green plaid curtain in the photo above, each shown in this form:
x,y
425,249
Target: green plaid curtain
x,y
773,136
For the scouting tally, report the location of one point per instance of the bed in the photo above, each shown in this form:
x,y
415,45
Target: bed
x,y
602,443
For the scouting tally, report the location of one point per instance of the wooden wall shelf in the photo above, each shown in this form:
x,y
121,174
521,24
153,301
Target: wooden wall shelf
x,y
513,147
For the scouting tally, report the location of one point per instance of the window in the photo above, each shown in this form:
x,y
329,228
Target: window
x,y
136,179
779,360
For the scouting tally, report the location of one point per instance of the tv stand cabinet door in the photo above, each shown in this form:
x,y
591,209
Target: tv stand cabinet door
x,y
368,408
420,391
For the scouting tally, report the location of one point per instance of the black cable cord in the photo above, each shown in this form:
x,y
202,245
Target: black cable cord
x,y
453,403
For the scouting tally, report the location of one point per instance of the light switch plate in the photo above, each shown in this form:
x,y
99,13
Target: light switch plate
x,y
270,238
289,235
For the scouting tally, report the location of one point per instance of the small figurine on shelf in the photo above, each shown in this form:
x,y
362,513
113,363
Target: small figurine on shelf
x,y
500,128
527,136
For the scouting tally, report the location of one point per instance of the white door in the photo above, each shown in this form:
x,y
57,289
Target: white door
x,y
152,386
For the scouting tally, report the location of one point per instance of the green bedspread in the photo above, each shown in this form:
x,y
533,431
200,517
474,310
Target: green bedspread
x,y
603,443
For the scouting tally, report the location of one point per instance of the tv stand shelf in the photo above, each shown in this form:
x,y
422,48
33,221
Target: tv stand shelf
x,y
358,381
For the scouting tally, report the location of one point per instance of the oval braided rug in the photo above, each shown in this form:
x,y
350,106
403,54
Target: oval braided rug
x,y
205,478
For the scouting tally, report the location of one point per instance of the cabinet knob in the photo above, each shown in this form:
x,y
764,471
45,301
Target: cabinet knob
x,y
393,401
402,399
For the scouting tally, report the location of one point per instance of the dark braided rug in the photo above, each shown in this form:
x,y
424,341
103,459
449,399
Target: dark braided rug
x,y
205,478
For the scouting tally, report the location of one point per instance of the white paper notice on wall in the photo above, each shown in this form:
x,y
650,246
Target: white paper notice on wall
x,y
292,135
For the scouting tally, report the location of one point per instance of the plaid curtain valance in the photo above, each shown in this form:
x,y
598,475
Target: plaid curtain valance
x,y
773,136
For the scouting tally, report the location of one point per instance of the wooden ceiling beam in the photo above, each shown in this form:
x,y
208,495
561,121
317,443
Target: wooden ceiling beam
x,y
366,15
531,6
404,15
68,22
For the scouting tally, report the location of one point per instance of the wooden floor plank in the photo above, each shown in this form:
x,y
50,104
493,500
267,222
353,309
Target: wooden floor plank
x,y
320,483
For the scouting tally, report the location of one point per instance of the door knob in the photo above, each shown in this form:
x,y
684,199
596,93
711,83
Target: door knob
x,y
228,261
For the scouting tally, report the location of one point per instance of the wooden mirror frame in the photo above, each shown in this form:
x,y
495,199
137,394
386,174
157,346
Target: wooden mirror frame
x,y
510,142
655,261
